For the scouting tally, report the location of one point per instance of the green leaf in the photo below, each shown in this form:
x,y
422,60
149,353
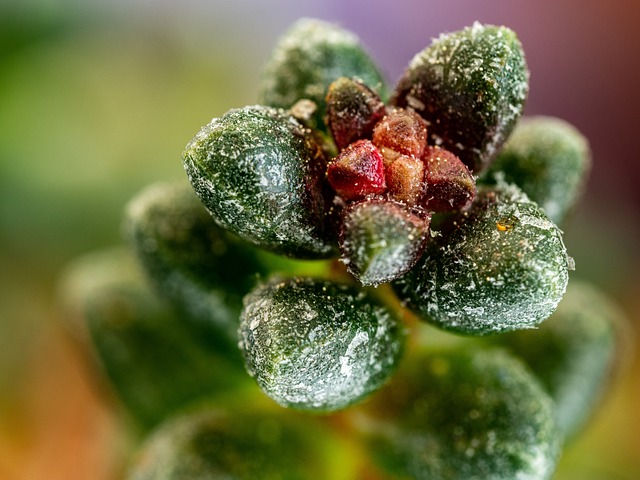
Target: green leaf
x,y
198,266
500,266
574,353
211,444
316,345
260,174
381,240
308,58
151,359
549,160
471,87
464,414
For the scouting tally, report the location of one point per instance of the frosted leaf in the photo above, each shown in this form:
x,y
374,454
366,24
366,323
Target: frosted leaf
x,y
317,345
260,174
152,360
380,240
245,444
575,352
464,415
500,266
471,87
308,58
549,160
194,263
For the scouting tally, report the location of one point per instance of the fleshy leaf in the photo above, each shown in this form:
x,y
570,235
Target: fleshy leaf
x,y
308,58
574,353
467,415
153,361
549,160
471,87
353,109
450,185
357,171
405,179
198,266
381,240
260,174
317,345
499,266
400,132
213,444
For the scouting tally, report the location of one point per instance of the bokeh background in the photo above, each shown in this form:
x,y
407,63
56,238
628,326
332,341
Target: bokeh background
x,y
98,98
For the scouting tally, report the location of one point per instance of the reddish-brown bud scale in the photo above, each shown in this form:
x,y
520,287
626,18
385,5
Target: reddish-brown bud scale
x,y
353,109
405,179
357,171
450,184
401,132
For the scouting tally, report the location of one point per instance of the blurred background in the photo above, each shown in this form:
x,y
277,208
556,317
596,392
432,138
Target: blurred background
x,y
98,98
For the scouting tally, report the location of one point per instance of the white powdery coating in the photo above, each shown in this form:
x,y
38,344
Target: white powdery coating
x,y
160,211
479,79
308,58
304,37
550,160
254,171
470,415
504,268
361,338
316,345
586,333
381,241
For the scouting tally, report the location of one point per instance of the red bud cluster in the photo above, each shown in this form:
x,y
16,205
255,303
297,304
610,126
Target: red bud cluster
x,y
384,152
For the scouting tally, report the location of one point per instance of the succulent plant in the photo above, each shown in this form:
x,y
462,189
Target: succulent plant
x,y
319,231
